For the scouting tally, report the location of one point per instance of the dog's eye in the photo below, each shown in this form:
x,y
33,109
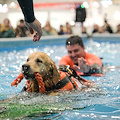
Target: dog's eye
x,y
39,61
27,59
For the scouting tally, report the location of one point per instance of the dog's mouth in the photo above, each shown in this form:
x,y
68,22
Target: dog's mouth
x,y
26,71
28,76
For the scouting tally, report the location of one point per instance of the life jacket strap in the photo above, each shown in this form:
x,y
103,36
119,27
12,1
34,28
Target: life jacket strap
x,y
60,84
72,82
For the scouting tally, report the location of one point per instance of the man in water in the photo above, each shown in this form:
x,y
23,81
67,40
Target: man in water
x,y
80,60
30,21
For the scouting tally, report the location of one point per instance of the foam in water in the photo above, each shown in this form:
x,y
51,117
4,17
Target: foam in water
x,y
91,99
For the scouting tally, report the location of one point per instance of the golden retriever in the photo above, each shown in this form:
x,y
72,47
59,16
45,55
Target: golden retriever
x,y
41,63
43,75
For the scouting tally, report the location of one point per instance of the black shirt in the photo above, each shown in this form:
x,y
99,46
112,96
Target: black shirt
x,y
27,9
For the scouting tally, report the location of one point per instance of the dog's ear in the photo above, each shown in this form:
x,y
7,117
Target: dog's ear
x,y
55,76
52,75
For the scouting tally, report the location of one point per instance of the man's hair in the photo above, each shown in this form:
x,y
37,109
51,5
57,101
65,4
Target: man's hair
x,y
74,40
21,21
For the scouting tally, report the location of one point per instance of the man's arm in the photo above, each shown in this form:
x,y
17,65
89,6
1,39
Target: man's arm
x,y
84,67
30,21
27,9
95,68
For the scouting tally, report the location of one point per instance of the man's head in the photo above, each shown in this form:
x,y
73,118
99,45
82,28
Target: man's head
x,y
6,23
22,24
75,48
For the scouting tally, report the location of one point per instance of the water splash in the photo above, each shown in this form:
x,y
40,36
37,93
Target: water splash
x,y
74,105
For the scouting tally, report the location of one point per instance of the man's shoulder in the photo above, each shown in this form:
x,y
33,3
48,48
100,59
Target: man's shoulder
x,y
91,56
65,60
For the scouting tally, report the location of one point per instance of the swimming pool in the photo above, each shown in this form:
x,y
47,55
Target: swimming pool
x,y
90,105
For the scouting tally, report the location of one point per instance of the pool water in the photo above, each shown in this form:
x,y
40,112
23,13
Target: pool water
x,y
92,104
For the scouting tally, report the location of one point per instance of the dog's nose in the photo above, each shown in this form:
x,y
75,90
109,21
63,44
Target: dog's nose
x,y
25,67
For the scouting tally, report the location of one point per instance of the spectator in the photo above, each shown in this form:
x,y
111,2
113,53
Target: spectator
x,y
107,27
95,28
6,31
21,30
101,30
49,30
67,27
69,31
61,31
83,30
118,29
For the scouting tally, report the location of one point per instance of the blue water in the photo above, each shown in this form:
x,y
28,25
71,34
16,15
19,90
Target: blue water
x,y
103,104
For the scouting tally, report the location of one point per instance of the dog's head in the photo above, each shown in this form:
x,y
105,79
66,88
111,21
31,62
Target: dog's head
x,y
40,62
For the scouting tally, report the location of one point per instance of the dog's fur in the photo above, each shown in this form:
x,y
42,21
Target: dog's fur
x,y
40,62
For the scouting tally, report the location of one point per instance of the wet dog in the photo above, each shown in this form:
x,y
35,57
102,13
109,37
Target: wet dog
x,y
40,62
43,76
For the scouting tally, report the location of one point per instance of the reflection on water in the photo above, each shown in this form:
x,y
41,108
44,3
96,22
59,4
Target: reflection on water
x,y
91,104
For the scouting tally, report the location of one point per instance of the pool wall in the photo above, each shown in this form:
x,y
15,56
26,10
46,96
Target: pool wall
x,y
10,43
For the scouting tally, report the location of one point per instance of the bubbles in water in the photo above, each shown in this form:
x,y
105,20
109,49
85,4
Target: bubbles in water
x,y
109,85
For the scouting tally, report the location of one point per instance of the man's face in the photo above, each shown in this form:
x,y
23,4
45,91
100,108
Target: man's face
x,y
6,23
75,52
22,24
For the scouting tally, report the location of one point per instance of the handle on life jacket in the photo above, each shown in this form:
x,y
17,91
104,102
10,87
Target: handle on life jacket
x,y
73,73
84,81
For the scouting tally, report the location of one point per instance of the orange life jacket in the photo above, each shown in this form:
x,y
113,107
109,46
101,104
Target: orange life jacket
x,y
66,82
89,57
69,83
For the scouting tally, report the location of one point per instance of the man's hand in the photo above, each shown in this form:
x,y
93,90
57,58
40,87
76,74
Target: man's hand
x,y
82,66
35,26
